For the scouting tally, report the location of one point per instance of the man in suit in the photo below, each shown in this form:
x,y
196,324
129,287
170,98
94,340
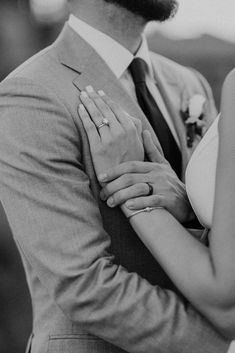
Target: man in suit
x,y
94,286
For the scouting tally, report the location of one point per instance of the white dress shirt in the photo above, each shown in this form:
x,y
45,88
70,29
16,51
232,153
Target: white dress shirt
x,y
118,59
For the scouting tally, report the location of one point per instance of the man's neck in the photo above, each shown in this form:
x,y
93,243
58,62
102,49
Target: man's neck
x,y
123,26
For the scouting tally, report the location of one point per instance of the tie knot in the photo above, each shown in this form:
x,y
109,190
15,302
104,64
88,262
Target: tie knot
x,y
138,69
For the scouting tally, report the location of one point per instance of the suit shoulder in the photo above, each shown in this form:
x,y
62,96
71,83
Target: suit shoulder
x,y
44,70
180,74
34,66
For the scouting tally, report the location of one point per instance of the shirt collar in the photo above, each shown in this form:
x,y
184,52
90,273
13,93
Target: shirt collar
x,y
143,53
116,56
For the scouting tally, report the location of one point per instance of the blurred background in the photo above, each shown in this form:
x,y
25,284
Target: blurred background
x,y
202,36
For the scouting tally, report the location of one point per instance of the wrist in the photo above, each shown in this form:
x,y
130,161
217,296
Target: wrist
x,y
130,213
127,212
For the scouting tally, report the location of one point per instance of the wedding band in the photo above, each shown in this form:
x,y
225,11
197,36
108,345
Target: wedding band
x,y
105,122
150,189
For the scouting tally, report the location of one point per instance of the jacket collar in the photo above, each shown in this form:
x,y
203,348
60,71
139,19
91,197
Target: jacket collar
x,y
80,57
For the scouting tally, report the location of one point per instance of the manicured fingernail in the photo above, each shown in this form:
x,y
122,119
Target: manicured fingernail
x,y
130,204
84,94
89,89
81,107
102,177
101,93
110,202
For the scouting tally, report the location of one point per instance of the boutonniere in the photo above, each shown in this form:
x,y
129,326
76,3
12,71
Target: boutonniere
x,y
193,118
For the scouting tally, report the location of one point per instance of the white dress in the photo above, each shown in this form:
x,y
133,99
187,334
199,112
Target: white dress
x,y
200,180
201,173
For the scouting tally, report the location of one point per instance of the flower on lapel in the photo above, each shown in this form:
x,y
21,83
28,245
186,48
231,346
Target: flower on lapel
x,y
193,117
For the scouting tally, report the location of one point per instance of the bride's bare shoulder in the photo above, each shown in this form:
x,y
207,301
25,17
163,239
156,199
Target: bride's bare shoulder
x,y
227,121
228,90
230,76
228,98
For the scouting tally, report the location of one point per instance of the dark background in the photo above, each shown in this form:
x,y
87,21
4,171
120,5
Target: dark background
x,y
22,35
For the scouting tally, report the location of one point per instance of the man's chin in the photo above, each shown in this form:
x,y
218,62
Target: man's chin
x,y
149,10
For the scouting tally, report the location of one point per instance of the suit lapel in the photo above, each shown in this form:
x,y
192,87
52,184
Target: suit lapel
x,y
172,99
90,69
76,54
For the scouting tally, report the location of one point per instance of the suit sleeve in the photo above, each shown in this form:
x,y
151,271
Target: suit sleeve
x,y
56,222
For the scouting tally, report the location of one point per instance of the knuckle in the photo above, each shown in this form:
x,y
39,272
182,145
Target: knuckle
x,y
142,189
89,126
138,124
98,102
117,197
121,133
96,99
113,106
101,104
106,110
107,100
96,116
107,190
133,165
98,149
174,199
128,179
153,173
137,121
145,203
138,203
129,130
109,143
88,103
155,201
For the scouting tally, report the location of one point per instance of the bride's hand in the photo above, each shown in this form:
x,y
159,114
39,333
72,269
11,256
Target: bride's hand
x,y
114,136
147,184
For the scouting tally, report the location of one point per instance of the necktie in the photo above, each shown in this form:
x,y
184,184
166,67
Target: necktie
x,y
138,69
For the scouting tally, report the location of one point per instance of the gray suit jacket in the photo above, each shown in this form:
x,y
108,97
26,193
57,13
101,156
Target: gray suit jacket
x,y
94,286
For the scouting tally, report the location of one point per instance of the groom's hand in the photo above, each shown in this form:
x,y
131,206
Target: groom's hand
x,y
133,182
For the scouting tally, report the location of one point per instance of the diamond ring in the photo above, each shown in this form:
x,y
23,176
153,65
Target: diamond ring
x,y
105,122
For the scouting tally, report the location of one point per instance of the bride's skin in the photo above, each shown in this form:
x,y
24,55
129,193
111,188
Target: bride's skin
x,y
206,276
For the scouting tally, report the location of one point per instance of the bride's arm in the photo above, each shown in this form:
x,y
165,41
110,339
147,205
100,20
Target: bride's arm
x,y
206,276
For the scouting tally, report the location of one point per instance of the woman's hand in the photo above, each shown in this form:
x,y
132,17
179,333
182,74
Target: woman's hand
x,y
131,183
114,136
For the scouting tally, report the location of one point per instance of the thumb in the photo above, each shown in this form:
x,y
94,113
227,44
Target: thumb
x,y
153,153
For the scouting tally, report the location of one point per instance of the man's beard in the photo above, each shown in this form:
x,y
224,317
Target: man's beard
x,y
150,10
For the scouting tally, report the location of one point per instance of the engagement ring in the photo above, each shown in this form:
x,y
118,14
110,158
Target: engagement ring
x,y
105,122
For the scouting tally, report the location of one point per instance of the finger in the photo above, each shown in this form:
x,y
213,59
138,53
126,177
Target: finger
x,y
96,116
125,168
123,195
151,150
123,182
91,130
103,107
147,201
91,108
122,117
138,124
